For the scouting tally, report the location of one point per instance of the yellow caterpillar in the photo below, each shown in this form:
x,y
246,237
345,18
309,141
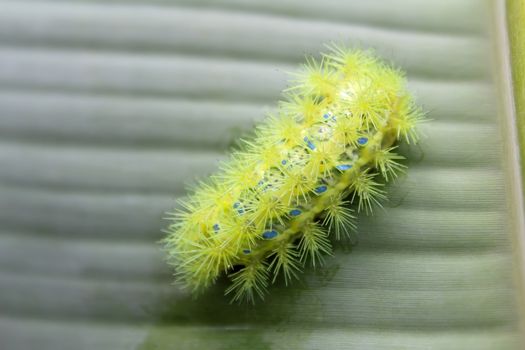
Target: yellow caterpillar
x,y
277,202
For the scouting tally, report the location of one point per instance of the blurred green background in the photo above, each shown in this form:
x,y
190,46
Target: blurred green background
x,y
108,108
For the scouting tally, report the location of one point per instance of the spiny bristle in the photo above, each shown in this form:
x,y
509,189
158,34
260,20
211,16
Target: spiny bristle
x,y
387,161
314,244
285,260
249,282
338,217
271,208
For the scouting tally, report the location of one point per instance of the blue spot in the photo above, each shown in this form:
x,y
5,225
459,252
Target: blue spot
x,y
362,140
326,116
295,212
237,205
283,162
344,167
246,251
270,234
309,143
216,227
321,189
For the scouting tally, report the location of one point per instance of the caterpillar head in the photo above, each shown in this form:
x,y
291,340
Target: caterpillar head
x,y
272,208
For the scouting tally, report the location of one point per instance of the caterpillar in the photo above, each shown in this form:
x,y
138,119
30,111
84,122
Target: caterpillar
x,y
286,193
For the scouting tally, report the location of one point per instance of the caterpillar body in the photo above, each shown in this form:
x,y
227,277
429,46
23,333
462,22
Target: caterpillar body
x,y
277,202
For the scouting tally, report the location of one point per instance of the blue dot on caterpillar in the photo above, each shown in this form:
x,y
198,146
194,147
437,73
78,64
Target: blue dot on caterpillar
x,y
237,205
295,212
321,189
362,140
270,234
309,143
344,167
